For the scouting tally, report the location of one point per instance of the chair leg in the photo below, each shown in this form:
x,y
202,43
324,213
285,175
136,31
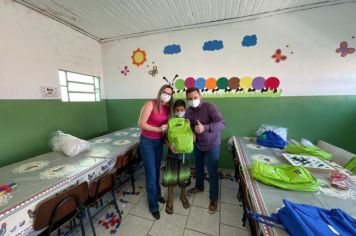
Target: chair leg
x,y
115,203
132,171
81,224
91,221
59,231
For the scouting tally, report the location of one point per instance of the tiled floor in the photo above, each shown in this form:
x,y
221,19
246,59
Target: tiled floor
x,y
195,221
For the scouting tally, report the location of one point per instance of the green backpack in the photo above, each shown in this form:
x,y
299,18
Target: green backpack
x,y
180,135
351,165
308,151
285,176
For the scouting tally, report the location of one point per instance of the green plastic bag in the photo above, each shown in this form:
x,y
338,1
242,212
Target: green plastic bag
x,y
351,165
308,151
180,135
285,176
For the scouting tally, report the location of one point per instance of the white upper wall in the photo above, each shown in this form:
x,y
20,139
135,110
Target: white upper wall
x,y
32,49
314,68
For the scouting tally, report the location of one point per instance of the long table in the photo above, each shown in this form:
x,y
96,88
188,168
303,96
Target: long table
x,y
43,176
265,199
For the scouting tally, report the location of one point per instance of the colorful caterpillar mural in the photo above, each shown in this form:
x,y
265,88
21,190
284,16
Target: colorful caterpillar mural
x,y
212,84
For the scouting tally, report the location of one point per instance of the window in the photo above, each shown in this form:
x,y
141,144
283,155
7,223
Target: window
x,y
78,87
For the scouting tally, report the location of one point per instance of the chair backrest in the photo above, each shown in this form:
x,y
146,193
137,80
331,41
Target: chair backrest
x,y
56,208
340,156
100,186
122,161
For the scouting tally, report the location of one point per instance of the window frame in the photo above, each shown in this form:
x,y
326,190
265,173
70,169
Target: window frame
x,y
96,91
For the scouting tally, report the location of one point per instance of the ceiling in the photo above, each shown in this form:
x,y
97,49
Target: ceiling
x,y
106,20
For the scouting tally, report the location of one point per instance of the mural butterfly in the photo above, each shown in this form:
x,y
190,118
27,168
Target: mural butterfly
x,y
154,71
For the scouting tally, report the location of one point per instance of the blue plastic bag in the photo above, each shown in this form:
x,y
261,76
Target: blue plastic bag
x,y
307,220
271,139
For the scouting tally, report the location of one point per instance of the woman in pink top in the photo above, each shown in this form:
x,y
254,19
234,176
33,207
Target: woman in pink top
x,y
153,123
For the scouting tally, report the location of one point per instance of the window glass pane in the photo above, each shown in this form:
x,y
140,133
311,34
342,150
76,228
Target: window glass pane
x,y
64,94
77,97
80,87
97,96
97,82
79,78
62,78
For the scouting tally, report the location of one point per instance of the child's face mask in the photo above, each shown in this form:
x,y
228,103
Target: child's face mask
x,y
180,114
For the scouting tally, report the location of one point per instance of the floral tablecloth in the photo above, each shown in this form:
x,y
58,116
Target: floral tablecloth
x,y
43,176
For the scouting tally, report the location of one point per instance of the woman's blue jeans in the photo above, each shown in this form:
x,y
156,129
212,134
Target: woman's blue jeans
x,y
210,159
151,153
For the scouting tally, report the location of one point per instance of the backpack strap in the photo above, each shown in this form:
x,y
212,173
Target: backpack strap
x,y
271,221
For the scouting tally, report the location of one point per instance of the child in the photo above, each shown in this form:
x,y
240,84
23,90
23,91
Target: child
x,y
177,168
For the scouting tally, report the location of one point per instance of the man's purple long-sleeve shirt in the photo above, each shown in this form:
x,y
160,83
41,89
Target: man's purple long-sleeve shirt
x,y
208,115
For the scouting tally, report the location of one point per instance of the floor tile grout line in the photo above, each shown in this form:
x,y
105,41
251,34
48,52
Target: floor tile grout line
x,y
232,203
190,209
235,227
200,232
142,217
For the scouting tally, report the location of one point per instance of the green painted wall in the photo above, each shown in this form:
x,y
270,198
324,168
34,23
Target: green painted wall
x,y
330,118
25,125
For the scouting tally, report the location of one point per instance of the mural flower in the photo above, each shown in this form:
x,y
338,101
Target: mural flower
x,y
125,71
278,56
344,50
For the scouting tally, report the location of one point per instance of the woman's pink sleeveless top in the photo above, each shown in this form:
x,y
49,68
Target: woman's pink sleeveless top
x,y
156,119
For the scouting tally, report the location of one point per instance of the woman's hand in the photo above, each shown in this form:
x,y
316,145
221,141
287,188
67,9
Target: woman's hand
x,y
171,147
163,128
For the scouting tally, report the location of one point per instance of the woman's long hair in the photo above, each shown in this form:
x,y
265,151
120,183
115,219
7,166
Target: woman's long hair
x,y
158,99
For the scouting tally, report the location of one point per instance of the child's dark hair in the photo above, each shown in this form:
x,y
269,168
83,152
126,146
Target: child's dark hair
x,y
179,103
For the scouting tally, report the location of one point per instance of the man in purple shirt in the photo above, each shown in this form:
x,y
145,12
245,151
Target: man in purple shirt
x,y
207,123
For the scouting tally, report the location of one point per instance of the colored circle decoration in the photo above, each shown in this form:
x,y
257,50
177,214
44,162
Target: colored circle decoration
x,y
210,83
138,57
222,83
272,83
234,83
121,142
179,84
200,83
103,140
258,83
246,82
31,166
189,82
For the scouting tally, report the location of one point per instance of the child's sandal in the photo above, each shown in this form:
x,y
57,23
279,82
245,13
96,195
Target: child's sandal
x,y
169,209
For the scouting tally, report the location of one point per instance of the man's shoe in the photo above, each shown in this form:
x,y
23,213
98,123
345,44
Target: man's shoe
x,y
195,190
161,199
213,206
156,214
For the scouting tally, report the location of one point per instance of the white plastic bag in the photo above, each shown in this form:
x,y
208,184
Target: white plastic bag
x,y
68,144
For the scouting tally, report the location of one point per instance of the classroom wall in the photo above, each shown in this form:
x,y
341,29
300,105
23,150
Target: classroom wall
x,y
316,96
32,49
